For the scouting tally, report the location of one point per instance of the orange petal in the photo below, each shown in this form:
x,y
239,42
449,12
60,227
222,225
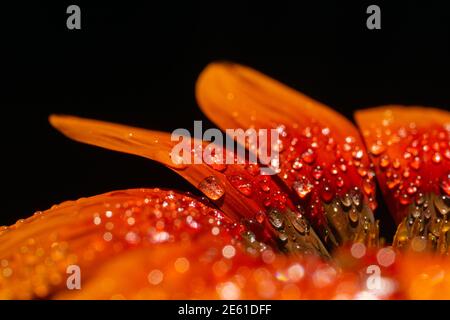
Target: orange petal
x,y
239,190
35,253
154,244
153,145
323,160
151,244
410,148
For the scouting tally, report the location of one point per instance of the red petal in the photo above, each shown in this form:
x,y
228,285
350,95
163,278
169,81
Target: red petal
x,y
323,161
410,147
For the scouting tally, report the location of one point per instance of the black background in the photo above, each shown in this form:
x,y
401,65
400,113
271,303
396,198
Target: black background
x,y
138,64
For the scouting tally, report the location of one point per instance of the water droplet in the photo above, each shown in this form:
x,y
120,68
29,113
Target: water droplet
x,y
301,225
327,193
368,186
346,200
264,185
356,197
404,199
307,132
442,204
297,164
436,158
358,154
384,161
334,170
427,213
377,149
447,154
420,199
211,188
340,182
260,217
308,156
392,183
283,237
396,163
302,187
275,219
411,189
353,215
317,173
362,171
415,212
243,185
249,236
406,173
445,184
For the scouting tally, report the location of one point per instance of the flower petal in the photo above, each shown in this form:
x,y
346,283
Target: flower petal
x,y
89,233
323,160
239,190
154,145
410,148
151,244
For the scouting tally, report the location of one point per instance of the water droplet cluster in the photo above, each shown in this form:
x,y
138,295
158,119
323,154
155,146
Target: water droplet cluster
x,y
84,232
426,226
410,159
320,165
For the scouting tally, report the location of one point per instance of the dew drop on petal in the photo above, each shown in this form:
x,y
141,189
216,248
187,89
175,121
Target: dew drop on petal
x,y
317,173
386,257
377,149
182,265
308,156
445,184
260,217
228,291
241,184
358,154
358,250
340,182
155,277
384,161
368,186
436,158
228,251
302,187
327,193
211,188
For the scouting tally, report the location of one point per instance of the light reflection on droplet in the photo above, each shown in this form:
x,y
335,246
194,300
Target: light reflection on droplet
x,y
228,251
107,236
296,272
358,250
324,277
182,265
386,257
155,277
97,220
215,231
228,291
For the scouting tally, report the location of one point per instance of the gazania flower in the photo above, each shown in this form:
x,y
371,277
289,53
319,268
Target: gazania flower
x,y
308,232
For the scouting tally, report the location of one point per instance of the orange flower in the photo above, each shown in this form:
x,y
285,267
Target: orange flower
x,y
308,232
